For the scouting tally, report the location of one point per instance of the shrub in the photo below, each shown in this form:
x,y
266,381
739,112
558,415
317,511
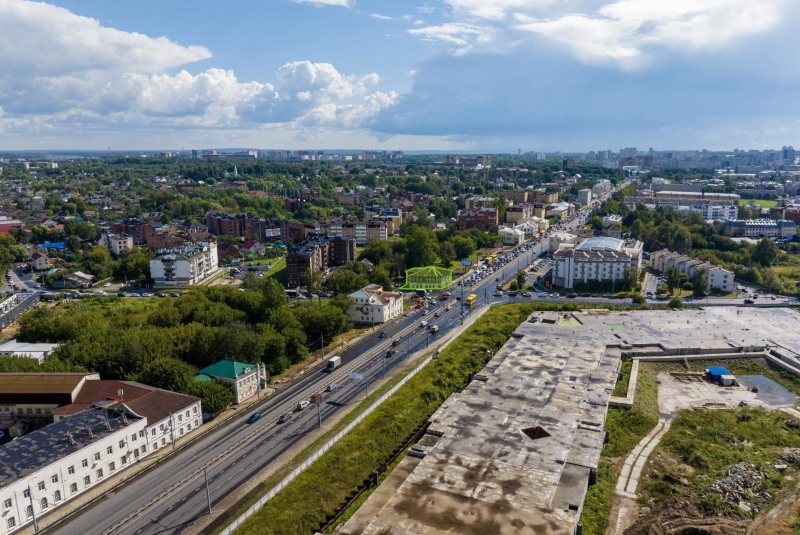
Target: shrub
x,y
676,302
687,286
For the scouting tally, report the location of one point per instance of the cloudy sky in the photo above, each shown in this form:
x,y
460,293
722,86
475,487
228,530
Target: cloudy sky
x,y
483,75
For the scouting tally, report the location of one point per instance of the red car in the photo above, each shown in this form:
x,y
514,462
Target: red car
x,y
443,298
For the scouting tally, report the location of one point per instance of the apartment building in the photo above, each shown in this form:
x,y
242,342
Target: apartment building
x,y
184,266
602,187
585,197
363,231
544,197
138,230
714,212
599,259
688,198
482,219
761,228
519,212
372,304
117,243
718,278
519,196
318,254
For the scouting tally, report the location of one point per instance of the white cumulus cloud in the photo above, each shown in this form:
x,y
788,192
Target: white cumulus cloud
x,y
322,3
82,74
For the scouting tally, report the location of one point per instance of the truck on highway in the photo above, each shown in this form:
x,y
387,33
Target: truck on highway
x,y
470,300
333,363
434,329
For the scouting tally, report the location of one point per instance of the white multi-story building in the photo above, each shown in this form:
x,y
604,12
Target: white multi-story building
x,y
715,212
117,243
598,259
718,278
601,187
48,467
374,305
585,197
245,379
184,266
761,228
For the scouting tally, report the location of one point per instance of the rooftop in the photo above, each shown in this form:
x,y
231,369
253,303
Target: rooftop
x,y
28,454
601,244
228,369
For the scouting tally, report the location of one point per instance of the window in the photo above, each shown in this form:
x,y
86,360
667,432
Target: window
x,y
54,479
26,494
7,504
87,480
19,411
133,438
11,522
57,496
28,411
163,441
144,449
96,456
181,431
153,432
99,473
43,503
71,470
194,409
112,466
109,450
38,411
187,412
73,488
29,511
136,454
142,433
41,485
123,460
84,463
180,417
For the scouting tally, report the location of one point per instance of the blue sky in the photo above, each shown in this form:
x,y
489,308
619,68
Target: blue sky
x,y
483,75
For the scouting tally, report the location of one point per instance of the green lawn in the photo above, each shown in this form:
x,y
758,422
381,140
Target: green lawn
x,y
278,270
761,202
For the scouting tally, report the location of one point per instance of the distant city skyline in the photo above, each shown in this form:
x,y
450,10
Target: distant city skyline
x,y
449,75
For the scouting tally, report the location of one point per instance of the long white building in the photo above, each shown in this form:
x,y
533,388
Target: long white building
x,y
48,467
184,266
598,259
718,278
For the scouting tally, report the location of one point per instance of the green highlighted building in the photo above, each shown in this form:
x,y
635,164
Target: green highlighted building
x,y
428,278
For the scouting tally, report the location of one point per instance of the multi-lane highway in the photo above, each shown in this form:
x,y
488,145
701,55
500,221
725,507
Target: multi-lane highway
x,y
252,447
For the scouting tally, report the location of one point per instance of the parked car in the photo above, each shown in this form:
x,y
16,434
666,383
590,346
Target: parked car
x,y
253,417
526,294
106,285
572,295
174,294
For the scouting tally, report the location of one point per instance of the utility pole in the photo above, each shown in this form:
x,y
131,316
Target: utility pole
x,y
208,492
319,411
33,509
322,345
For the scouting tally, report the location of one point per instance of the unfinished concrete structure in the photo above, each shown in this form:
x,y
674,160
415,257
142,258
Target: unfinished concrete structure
x,y
516,451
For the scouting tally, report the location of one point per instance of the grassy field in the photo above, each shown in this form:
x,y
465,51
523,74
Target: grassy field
x,y
278,270
626,428
305,504
761,202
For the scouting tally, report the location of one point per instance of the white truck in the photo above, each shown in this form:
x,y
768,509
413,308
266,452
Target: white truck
x,y
333,363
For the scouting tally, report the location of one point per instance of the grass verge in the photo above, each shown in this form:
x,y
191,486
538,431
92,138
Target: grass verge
x,y
307,502
626,427
278,270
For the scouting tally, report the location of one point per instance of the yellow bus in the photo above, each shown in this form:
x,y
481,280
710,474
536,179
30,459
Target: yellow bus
x,y
471,298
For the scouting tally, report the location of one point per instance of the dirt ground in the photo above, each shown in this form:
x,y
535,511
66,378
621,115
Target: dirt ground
x,y
686,516
778,521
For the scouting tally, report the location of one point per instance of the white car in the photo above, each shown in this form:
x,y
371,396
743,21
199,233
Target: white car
x,y
106,285
423,323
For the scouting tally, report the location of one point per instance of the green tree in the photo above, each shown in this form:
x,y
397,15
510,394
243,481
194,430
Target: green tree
x,y
345,281
464,246
380,275
98,262
521,277
421,247
376,251
169,374
673,279
215,396
447,253
765,253
700,286
676,302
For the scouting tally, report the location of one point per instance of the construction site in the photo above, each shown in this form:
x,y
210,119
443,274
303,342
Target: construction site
x,y
553,438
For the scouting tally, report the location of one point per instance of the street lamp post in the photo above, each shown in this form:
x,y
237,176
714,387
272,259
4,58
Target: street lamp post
x,y
33,509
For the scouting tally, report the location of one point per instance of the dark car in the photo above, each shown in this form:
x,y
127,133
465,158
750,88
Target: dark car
x,y
512,294
284,417
174,294
586,295
748,302
572,295
395,343
390,353
458,298
382,335
253,417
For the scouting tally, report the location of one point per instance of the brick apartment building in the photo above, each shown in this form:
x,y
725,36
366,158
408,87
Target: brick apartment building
x,y
482,219
135,228
318,254
244,225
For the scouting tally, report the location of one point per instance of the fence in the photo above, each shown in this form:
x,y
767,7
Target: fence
x,y
13,307
328,445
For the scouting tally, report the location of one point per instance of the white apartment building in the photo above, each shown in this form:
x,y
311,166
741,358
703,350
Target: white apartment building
x,y
711,212
184,266
533,226
718,278
761,228
602,187
599,259
585,197
117,243
374,305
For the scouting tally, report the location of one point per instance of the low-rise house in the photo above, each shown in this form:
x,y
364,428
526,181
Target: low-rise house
x,y
34,351
718,278
372,304
245,379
